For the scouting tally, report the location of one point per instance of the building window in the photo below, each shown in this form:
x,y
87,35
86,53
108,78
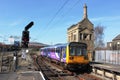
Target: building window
x,y
90,36
80,36
68,38
71,36
85,36
74,37
110,45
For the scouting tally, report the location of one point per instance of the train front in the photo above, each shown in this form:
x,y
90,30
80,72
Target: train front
x,y
77,57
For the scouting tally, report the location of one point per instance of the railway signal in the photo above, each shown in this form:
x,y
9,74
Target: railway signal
x,y
25,35
29,26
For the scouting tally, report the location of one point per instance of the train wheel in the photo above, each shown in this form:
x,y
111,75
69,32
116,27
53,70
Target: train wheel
x,y
89,68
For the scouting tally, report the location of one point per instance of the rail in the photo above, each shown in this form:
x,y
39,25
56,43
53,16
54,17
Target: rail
x,y
51,73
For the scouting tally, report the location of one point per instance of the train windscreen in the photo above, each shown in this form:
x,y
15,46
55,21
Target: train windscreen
x,y
78,49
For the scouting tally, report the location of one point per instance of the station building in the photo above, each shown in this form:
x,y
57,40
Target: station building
x,y
114,44
83,31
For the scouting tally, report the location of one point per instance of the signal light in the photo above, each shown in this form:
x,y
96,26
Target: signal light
x,y
25,39
25,36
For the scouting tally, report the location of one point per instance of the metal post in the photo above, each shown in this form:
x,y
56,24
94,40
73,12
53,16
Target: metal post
x,y
2,58
105,57
118,43
118,51
15,59
3,37
1,61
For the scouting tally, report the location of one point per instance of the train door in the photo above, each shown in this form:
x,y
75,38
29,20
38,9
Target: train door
x,y
63,55
57,53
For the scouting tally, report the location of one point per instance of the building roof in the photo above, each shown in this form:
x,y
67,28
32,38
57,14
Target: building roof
x,y
74,25
84,21
116,38
80,23
37,44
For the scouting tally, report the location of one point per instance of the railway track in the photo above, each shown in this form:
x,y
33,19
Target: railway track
x,y
6,64
52,71
49,72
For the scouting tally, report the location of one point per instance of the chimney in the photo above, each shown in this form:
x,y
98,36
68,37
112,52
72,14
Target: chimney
x,y
85,12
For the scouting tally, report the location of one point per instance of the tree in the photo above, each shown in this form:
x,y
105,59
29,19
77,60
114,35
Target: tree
x,y
99,36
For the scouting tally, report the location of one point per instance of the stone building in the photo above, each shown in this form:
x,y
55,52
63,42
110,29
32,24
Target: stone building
x,y
115,44
83,31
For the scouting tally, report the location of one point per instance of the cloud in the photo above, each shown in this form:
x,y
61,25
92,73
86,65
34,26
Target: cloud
x,y
15,23
10,23
1,35
109,18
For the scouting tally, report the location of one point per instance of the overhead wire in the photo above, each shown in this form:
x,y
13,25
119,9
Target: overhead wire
x,y
70,9
57,12
52,19
63,15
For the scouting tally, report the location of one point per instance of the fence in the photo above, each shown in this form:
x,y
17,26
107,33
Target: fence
x,y
108,56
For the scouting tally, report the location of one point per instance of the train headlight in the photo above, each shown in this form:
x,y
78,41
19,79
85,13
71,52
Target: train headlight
x,y
71,58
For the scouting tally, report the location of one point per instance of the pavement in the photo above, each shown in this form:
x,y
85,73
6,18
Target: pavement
x,y
24,71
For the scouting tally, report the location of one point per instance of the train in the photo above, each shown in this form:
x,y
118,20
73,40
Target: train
x,y
72,55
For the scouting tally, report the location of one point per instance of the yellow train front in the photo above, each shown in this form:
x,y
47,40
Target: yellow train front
x,y
72,55
76,56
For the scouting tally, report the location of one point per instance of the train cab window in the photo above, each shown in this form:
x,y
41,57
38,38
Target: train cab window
x,y
84,51
78,51
72,51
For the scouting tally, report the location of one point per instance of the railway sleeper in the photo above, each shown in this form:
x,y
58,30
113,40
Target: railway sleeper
x,y
51,75
65,74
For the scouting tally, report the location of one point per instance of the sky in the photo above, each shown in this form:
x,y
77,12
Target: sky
x,y
52,18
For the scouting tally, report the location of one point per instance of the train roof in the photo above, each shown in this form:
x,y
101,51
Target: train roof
x,y
59,45
55,46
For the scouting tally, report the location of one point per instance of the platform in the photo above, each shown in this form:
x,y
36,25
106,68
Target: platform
x,y
109,67
24,71
110,71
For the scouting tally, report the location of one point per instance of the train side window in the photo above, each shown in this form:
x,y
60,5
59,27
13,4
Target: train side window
x,y
52,50
63,50
57,50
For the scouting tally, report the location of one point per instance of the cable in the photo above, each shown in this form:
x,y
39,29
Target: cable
x,y
70,9
47,28
63,15
57,12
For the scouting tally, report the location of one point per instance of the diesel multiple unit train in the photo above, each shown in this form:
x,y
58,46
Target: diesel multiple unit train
x,y
72,55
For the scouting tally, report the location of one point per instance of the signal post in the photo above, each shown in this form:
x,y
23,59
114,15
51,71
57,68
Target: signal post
x,y
25,39
24,44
